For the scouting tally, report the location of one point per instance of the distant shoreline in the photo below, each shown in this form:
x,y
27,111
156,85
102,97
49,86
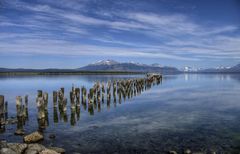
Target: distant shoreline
x,y
70,73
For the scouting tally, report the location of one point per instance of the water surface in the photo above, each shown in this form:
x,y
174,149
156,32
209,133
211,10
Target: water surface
x,y
199,112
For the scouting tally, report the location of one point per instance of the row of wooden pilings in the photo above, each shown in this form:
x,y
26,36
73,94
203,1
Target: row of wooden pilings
x,y
91,99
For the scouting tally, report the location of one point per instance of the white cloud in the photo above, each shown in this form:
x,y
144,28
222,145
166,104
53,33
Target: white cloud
x,y
51,30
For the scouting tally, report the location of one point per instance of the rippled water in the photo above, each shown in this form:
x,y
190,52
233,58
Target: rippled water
x,y
197,112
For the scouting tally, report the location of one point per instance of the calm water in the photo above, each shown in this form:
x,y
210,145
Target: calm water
x,y
199,112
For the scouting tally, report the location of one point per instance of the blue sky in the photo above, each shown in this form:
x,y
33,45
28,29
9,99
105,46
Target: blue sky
x,y
73,33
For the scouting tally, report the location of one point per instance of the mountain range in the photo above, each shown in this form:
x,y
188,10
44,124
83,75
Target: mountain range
x,y
111,65
114,66
233,69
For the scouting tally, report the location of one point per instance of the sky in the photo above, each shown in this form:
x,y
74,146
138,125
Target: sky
x,y
74,33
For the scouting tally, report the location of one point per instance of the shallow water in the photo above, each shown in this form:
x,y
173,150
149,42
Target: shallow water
x,y
197,112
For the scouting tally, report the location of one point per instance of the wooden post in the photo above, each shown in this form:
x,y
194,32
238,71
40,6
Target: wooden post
x,y
62,90
1,104
78,112
65,105
73,106
41,108
6,110
103,92
73,116
19,106
45,96
1,110
84,95
39,93
55,115
26,101
77,91
54,99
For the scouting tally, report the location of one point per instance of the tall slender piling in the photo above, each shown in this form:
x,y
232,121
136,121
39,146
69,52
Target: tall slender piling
x,y
77,91
55,98
73,116
72,99
20,116
55,115
39,93
103,92
41,108
26,107
84,95
45,99
78,112
6,110
65,105
2,122
19,106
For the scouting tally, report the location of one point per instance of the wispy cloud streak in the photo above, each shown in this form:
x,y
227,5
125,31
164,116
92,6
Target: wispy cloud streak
x,y
52,28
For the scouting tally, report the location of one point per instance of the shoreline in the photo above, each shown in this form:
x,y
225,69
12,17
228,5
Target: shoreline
x,y
69,73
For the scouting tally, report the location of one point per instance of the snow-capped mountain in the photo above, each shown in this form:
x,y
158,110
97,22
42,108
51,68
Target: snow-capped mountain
x,y
111,65
156,65
105,62
222,69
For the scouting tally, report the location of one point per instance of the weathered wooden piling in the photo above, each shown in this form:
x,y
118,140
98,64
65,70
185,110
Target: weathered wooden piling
x,y
78,112
99,107
114,87
20,130
39,93
65,117
45,99
41,108
55,95
26,101
84,95
62,90
19,106
25,112
72,100
114,98
73,116
77,91
61,95
108,100
108,87
1,111
21,115
6,110
90,109
55,115
103,92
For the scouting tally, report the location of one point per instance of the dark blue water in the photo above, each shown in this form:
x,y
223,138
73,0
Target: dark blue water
x,y
197,112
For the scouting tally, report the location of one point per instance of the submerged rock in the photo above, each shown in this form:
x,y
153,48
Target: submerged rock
x,y
33,137
187,151
172,152
19,132
58,150
3,144
52,136
29,151
48,151
34,148
7,151
17,147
